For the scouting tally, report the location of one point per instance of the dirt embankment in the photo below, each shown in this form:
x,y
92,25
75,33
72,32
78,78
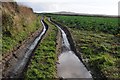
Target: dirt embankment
x,y
20,26
58,42
18,23
16,18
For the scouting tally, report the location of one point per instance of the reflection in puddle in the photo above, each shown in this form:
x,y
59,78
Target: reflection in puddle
x,y
71,67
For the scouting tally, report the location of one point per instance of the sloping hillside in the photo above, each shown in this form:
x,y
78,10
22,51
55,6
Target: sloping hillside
x,y
18,22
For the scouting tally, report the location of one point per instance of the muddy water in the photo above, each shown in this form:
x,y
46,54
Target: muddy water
x,y
69,64
18,68
71,67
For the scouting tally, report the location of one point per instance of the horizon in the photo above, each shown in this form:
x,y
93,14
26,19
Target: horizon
x,y
99,7
75,13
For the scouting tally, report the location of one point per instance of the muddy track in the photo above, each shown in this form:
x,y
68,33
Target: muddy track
x,y
70,62
78,54
15,63
72,45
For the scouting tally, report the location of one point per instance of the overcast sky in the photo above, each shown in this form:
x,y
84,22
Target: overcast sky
x,y
108,7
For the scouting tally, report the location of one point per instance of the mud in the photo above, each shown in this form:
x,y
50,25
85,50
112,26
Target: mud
x,y
58,42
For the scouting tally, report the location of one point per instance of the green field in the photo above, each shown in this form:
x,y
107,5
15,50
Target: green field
x,y
43,61
97,24
98,39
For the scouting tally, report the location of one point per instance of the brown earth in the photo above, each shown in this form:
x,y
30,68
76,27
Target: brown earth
x,y
58,42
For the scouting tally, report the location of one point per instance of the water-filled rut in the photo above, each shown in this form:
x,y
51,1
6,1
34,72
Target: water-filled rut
x,y
69,64
17,69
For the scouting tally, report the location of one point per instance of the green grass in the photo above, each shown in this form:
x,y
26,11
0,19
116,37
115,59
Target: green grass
x,y
102,51
43,62
98,39
10,39
107,25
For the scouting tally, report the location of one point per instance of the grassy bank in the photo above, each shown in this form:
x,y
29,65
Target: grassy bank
x,y
98,40
10,42
17,25
43,63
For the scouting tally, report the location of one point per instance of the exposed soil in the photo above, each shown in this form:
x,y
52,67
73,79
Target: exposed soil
x,y
58,46
58,43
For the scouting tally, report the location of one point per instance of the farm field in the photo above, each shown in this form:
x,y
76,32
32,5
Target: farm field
x,y
98,41
89,23
57,46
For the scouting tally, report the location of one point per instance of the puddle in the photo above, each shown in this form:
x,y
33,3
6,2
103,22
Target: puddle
x,y
69,64
71,67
